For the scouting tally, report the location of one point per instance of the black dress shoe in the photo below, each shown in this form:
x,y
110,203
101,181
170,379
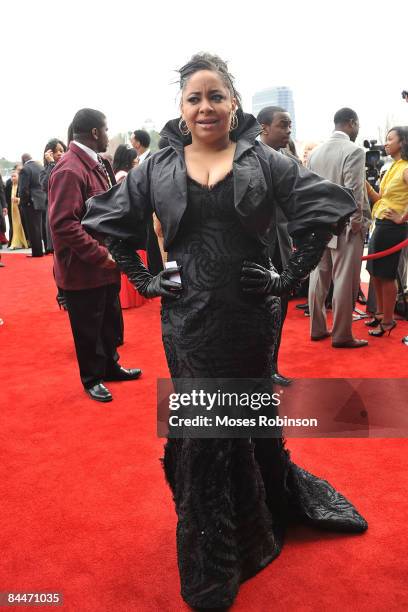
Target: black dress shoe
x,y
405,340
120,373
283,381
99,393
302,306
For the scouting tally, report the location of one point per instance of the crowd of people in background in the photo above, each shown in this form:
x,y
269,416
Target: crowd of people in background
x,y
334,284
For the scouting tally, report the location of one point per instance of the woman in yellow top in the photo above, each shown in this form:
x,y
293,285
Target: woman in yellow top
x,y
390,212
18,240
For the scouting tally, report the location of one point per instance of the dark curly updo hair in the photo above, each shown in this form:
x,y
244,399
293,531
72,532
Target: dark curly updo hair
x,y
402,131
206,61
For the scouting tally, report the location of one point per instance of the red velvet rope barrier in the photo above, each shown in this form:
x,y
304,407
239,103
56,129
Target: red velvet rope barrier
x,y
390,251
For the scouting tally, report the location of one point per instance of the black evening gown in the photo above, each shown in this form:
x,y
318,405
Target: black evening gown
x,y
234,497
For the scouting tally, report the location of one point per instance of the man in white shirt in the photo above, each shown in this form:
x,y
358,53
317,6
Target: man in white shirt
x,y
83,266
140,140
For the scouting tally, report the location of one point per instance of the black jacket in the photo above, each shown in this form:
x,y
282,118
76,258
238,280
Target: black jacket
x,y
7,192
29,188
263,180
45,177
3,204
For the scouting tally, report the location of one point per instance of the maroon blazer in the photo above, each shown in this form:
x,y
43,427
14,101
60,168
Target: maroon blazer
x,y
77,255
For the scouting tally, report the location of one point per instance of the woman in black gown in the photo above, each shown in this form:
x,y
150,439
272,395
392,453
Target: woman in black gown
x,y
214,190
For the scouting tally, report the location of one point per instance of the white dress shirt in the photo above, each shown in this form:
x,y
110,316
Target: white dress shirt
x,y
90,152
143,156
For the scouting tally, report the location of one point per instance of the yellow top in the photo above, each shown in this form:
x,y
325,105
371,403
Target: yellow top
x,y
393,191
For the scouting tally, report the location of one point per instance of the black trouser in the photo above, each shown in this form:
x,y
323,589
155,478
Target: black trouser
x,y
154,257
284,300
10,220
34,221
47,235
2,222
24,223
95,324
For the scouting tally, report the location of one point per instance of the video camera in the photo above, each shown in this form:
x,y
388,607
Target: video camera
x,y
374,162
404,94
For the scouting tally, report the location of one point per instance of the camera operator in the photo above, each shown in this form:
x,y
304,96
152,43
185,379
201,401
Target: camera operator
x,y
374,164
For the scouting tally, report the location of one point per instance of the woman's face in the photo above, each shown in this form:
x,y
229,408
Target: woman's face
x,y
393,144
14,177
206,106
58,152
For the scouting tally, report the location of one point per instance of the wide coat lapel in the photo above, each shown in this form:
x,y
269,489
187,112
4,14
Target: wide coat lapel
x,y
250,187
169,181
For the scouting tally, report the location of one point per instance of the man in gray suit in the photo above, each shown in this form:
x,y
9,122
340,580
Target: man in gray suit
x,y
33,202
343,162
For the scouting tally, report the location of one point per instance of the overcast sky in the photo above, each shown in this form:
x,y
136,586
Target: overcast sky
x,y
120,57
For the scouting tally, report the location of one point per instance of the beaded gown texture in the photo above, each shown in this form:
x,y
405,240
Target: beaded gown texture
x,y
234,498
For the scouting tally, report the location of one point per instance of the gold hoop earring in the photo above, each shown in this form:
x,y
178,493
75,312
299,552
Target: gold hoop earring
x,y
234,121
183,128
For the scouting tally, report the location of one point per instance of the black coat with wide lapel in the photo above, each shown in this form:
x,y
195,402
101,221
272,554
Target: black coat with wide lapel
x,y
263,179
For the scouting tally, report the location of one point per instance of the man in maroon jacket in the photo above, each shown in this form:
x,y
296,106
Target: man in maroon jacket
x,y
83,267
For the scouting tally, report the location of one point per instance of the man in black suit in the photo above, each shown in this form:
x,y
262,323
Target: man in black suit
x,y
3,206
7,192
140,140
32,202
276,130
3,213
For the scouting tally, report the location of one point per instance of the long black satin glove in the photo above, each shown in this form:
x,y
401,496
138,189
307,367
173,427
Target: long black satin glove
x,y
147,285
310,248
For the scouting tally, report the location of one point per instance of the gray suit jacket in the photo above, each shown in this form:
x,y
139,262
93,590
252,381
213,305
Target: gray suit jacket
x,y
343,162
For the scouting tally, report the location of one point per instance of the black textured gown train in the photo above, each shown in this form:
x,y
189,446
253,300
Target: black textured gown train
x,y
233,498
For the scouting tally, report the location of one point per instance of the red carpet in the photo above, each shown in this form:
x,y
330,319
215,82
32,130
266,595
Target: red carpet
x,y
85,510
